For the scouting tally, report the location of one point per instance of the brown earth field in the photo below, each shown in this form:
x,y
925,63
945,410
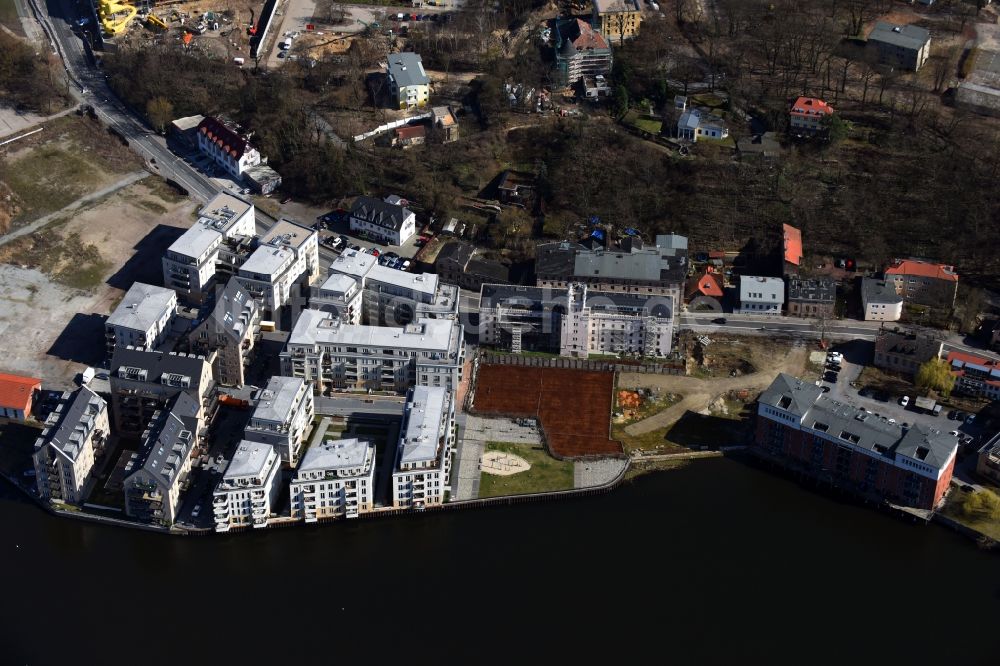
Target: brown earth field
x,y
572,406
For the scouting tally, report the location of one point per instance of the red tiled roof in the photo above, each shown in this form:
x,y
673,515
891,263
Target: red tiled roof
x,y
589,38
223,135
16,391
923,269
810,106
793,244
971,358
706,285
410,132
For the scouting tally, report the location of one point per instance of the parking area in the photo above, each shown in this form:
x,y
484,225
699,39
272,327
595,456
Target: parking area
x,y
336,224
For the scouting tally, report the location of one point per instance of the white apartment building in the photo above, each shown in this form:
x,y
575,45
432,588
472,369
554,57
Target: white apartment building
x,y
423,457
335,480
143,318
880,300
249,488
283,416
611,323
287,254
761,295
74,436
156,472
341,296
409,84
333,355
225,144
191,262
391,297
381,221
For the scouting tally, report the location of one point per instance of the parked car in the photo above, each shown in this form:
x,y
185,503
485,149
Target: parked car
x,y
835,357
904,401
830,377
196,511
824,389
719,320
952,414
954,433
970,418
960,415
405,265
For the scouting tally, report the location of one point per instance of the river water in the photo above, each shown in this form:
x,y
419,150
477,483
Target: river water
x,y
714,563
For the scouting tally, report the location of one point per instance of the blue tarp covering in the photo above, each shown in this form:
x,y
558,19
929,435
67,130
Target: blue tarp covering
x,y
632,232
594,220
598,234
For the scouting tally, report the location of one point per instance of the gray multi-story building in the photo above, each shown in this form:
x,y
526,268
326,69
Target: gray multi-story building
x,y
905,351
635,268
333,355
249,488
900,46
811,297
409,84
145,382
287,255
229,334
336,479
143,318
155,474
74,437
880,300
283,416
458,263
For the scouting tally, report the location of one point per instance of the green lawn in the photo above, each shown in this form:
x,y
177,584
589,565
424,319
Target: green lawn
x,y
655,441
956,508
648,125
546,473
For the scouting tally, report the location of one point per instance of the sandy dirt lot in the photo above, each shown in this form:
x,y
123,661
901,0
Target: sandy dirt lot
x,y
53,328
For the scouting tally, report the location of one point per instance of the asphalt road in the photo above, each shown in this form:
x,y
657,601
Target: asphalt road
x,y
56,17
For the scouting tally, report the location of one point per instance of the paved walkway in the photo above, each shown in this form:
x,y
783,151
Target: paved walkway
x,y
93,196
465,483
589,473
13,122
699,393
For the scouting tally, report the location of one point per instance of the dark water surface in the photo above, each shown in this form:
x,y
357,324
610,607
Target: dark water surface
x,y
715,563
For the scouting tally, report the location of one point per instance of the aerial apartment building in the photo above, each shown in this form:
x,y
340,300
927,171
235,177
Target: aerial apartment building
x,y
74,436
283,416
341,296
422,472
227,145
905,351
808,116
145,382
382,221
975,375
389,297
761,295
336,479
801,428
229,334
617,19
409,84
216,242
249,488
143,318
924,283
880,300
332,355
156,472
287,255
900,46
613,323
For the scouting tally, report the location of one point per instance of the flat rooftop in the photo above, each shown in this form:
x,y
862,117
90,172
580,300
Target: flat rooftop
x,y
353,263
339,283
142,306
225,208
196,241
338,454
277,399
423,283
286,233
250,459
267,260
425,408
316,327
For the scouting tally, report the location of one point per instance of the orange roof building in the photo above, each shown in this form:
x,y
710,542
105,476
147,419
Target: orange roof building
x,y
708,284
807,114
792,245
924,283
16,396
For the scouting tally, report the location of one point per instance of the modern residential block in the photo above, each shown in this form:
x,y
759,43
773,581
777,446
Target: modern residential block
x,y
423,457
229,334
75,434
331,354
336,479
142,319
341,296
287,255
216,242
249,488
761,295
409,84
145,382
801,428
283,416
156,472
609,323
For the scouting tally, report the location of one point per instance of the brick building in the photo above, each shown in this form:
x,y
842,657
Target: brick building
x,y
802,429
